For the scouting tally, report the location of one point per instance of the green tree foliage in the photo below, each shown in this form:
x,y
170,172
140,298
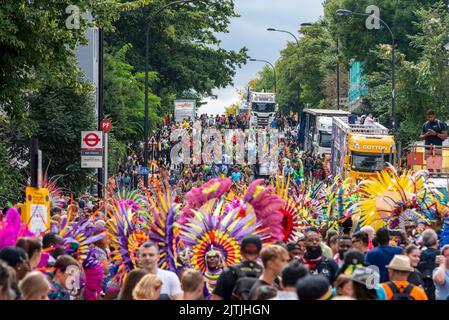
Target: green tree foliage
x,y
184,49
422,83
125,103
232,109
58,115
125,97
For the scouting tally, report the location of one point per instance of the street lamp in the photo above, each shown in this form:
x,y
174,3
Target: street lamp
x,y
346,12
147,44
297,44
272,66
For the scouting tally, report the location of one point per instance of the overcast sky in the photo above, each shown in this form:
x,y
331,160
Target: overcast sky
x,y
250,30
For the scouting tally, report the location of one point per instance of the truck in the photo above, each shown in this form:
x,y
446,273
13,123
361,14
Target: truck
x,y
263,108
359,151
315,134
185,110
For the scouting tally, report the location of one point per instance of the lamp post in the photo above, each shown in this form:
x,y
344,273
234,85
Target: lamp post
x,y
342,12
297,44
147,44
272,66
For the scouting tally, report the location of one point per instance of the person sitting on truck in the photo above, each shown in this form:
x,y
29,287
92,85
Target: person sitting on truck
x,y
433,132
369,120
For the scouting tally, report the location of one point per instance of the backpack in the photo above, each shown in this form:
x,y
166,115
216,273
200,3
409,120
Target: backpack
x,y
243,284
397,295
426,267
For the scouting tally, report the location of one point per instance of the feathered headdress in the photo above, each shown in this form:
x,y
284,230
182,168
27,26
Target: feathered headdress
x,y
218,231
292,220
11,229
389,196
197,197
261,201
341,201
126,236
163,228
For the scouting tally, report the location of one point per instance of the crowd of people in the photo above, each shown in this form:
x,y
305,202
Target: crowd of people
x,y
185,176
225,232
364,265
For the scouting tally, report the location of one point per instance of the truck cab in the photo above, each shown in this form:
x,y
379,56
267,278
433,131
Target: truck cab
x,y
360,151
316,130
369,154
263,108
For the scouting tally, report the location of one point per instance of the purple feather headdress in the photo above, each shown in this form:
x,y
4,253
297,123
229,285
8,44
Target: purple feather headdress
x,y
266,206
213,189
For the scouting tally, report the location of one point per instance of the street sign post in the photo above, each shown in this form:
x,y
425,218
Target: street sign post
x,y
106,126
91,149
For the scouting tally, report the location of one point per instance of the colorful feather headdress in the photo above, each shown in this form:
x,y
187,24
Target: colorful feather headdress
x,y
265,205
197,197
341,201
163,227
391,199
126,236
218,231
11,229
293,221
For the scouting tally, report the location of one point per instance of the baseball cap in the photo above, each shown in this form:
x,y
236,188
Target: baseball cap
x,y
292,246
314,288
13,255
251,244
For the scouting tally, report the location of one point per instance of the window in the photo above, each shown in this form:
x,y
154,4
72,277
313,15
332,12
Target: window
x,y
263,107
325,139
368,162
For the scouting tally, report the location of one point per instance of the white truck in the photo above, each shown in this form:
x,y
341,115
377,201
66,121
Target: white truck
x,y
185,110
263,108
316,129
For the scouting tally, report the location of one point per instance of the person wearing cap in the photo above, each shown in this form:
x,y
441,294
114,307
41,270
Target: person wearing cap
x,y
294,251
365,284
399,288
250,249
314,288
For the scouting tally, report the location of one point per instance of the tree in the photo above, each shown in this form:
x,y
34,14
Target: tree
x,y
232,109
125,97
58,114
184,50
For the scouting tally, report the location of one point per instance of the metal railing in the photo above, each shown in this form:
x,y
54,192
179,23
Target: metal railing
x,y
371,129
428,157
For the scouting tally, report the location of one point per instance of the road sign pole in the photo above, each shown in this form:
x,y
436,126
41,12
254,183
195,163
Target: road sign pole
x,y
105,170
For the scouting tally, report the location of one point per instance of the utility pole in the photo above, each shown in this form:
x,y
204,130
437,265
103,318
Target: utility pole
x,y
338,76
100,103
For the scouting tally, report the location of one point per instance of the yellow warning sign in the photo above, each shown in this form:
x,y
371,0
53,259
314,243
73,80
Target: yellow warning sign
x,y
37,213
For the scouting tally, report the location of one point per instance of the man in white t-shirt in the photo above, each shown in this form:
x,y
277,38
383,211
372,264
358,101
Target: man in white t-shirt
x,y
369,120
148,260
